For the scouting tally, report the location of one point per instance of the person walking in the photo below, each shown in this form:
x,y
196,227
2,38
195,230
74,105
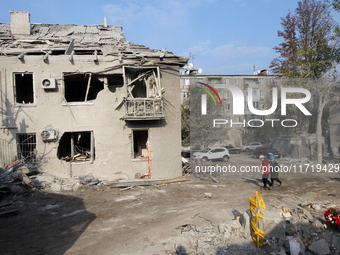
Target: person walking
x,y
265,168
274,171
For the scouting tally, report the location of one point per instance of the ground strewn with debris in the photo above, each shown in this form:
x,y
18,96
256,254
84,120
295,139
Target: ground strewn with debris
x,y
198,216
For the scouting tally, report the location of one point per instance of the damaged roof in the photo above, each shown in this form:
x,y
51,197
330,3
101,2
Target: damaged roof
x,y
65,39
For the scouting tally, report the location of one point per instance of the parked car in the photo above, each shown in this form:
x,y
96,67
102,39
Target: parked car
x,y
232,149
212,153
266,151
250,146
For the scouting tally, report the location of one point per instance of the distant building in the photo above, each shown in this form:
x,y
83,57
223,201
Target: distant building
x,y
260,83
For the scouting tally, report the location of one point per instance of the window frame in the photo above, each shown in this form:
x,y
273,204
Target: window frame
x,y
128,80
30,162
72,146
133,158
15,89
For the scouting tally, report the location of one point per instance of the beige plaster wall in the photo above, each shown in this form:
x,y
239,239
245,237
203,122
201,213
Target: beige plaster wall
x,y
113,136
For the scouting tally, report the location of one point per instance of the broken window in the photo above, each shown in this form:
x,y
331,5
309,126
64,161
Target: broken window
x,y
26,148
23,83
82,87
144,94
143,82
140,138
115,81
76,147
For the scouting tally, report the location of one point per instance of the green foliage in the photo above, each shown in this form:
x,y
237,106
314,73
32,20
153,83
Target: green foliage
x,y
335,4
310,44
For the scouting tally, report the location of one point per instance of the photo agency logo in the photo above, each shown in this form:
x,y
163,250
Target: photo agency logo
x,y
204,97
238,104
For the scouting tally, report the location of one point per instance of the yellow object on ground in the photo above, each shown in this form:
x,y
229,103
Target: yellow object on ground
x,y
257,233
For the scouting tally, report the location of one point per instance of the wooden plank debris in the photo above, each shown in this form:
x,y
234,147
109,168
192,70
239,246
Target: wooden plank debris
x,y
88,87
9,212
146,182
140,76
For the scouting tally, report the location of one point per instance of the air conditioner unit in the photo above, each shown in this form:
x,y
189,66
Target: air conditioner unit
x,y
48,83
49,135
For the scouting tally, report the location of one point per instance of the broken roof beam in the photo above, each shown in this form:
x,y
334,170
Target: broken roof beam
x,y
71,56
21,56
162,53
45,58
140,76
88,87
95,56
70,48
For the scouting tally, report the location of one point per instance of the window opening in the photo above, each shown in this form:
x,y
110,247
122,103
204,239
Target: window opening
x,y
143,83
24,93
140,137
186,82
82,87
76,147
26,148
115,81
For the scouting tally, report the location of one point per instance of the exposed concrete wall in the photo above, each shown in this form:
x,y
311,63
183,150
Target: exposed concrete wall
x,y
113,136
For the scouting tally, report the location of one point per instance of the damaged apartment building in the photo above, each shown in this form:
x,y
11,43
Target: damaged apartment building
x,y
79,99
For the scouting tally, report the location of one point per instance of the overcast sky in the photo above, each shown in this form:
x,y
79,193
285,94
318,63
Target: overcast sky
x,y
224,37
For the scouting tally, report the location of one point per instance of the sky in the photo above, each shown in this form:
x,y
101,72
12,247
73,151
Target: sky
x,y
222,37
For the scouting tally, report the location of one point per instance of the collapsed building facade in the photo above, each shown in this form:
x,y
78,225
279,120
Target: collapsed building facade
x,y
79,99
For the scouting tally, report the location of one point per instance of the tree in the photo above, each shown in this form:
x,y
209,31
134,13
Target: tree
x,y
286,64
310,49
335,4
310,44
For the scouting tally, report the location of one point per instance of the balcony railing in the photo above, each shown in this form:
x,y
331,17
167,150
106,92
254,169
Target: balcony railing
x,y
144,109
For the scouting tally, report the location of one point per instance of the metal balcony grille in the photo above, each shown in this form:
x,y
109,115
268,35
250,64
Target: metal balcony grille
x,y
144,109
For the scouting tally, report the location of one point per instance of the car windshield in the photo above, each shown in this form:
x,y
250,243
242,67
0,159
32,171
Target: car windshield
x,y
206,150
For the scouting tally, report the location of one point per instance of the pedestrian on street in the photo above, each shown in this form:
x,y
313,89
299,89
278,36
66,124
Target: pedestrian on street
x,y
265,168
274,171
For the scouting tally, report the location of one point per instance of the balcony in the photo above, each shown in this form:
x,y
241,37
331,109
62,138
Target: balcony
x,y
144,109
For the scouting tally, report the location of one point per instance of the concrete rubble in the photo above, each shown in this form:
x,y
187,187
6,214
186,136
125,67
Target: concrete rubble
x,y
294,231
17,180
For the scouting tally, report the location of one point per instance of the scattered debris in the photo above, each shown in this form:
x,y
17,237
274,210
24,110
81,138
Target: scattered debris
x,y
299,160
320,247
10,212
185,166
148,182
88,180
81,154
207,195
13,179
215,180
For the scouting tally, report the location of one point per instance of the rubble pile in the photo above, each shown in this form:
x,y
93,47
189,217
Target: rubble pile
x,y
14,179
305,226
302,232
202,236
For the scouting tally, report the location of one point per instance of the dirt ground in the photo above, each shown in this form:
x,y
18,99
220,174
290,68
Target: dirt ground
x,y
150,220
